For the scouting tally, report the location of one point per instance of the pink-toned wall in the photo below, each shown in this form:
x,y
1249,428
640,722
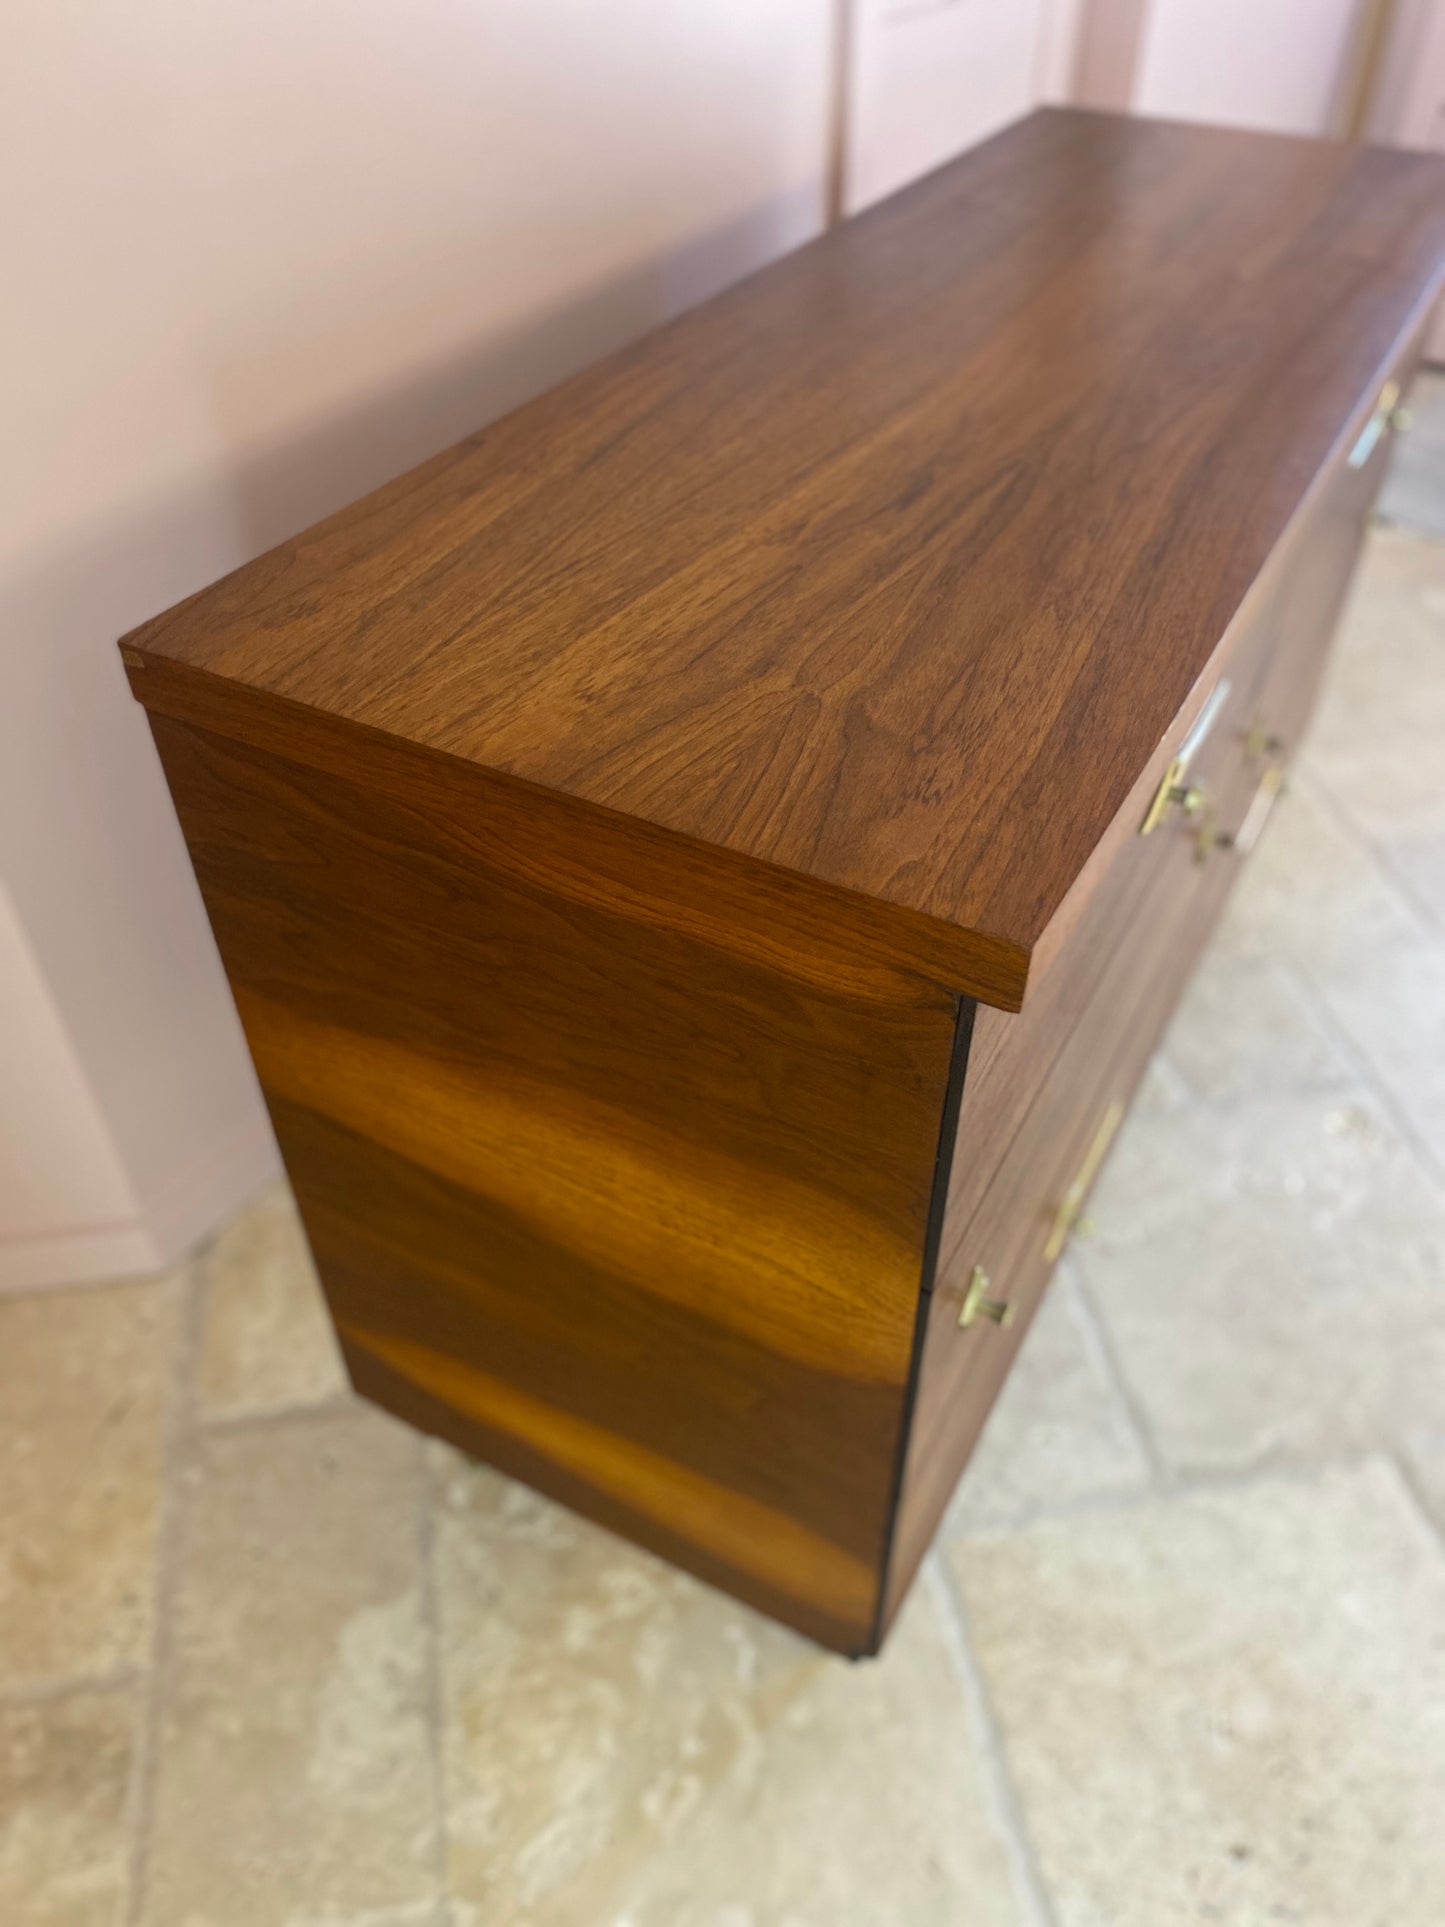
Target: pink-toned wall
x,y
1409,105
1275,64
932,76
1281,65
257,259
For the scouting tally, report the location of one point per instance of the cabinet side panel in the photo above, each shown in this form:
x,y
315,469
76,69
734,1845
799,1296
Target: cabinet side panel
x,y
633,1218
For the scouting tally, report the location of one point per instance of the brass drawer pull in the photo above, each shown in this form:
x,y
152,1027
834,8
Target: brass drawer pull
x,y
977,1303
1271,788
1174,788
1209,837
1388,416
1191,798
1067,1215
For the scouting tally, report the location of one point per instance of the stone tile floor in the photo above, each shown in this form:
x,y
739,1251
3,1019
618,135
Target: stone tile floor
x,y
269,1660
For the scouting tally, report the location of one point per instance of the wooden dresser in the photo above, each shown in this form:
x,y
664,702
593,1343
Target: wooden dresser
x,y
703,863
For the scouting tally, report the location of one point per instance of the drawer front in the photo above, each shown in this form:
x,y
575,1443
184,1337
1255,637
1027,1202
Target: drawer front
x,y
1020,1224
1314,590
1317,561
1046,1089
1012,1056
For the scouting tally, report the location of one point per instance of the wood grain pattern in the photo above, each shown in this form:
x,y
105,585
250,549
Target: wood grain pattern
x,y
1039,1084
631,837
638,1215
796,926
892,565
1097,1063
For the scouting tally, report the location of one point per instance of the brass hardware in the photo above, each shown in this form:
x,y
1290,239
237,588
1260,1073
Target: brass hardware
x,y
1173,789
1069,1212
977,1303
1387,415
1262,742
1163,797
1209,837
132,660
1271,788
1191,798
1204,722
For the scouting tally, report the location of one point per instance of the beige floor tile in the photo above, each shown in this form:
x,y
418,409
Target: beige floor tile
x,y
1394,1013
627,1748
1414,493
1311,896
1247,1023
1376,742
1272,1278
1059,1433
295,1781
85,1385
268,1341
1162,1093
1419,862
65,1774
1229,1708
1423,1456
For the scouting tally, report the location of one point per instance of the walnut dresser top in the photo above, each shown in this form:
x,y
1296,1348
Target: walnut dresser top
x,y
891,566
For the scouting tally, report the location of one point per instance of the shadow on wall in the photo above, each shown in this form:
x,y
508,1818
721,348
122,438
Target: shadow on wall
x,y
115,914
285,489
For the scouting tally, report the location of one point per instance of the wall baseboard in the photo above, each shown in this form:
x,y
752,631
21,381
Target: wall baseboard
x,y
52,1259
194,1203
199,1198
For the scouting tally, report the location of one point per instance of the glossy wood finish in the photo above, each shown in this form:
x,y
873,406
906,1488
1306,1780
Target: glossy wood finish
x,y
618,1210
631,837
892,565
1041,1086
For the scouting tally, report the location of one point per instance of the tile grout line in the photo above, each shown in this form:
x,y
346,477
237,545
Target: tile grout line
x,y
1177,1486
1008,1807
41,1692
177,1430
1429,1524
1420,908
1371,1077
260,1418
1099,1336
435,1692
1339,1033
88,1287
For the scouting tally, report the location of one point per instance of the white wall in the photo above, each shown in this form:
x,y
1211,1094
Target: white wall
x,y
1275,64
1409,103
1107,53
932,77
66,1201
257,259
